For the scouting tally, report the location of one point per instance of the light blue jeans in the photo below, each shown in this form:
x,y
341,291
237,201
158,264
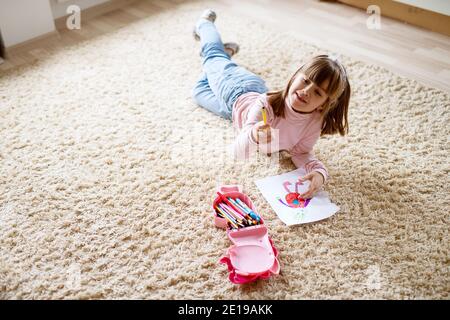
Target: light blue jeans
x,y
222,80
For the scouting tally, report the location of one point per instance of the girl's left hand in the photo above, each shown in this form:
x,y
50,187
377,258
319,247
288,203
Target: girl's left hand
x,y
316,184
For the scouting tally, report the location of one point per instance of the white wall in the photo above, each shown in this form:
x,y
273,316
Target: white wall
x,y
439,6
59,7
21,20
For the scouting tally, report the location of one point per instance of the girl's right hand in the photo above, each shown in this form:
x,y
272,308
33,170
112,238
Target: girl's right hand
x,y
262,133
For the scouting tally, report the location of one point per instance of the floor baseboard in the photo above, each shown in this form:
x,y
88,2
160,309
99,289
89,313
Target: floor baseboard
x,y
9,51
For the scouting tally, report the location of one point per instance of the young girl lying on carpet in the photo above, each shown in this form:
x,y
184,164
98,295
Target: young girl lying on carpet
x,y
314,102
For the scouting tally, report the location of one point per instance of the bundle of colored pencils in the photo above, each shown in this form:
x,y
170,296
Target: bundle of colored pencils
x,y
236,212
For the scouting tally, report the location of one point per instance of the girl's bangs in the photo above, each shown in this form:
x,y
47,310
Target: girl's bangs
x,y
320,71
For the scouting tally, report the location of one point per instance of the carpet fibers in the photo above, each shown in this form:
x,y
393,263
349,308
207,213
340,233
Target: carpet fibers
x,y
108,170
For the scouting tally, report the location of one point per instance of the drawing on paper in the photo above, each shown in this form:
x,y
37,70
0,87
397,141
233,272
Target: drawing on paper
x,y
284,196
293,199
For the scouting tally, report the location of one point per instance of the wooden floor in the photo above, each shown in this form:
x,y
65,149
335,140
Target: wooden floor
x,y
406,50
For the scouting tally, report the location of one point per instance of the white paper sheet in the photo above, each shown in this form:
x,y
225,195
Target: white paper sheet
x,y
289,209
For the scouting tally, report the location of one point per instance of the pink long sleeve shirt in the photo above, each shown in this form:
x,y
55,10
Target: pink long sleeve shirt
x,y
297,132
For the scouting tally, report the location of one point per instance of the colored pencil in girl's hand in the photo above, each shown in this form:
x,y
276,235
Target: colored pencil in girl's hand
x,y
264,115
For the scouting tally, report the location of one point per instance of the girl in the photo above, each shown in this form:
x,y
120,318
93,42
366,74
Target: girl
x,y
314,102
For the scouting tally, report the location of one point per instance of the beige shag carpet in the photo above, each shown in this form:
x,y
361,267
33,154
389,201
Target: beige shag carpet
x,y
108,170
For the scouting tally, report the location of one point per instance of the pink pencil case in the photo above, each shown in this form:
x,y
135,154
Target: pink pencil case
x,y
252,255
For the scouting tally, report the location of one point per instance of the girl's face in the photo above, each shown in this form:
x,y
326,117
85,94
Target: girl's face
x,y
305,95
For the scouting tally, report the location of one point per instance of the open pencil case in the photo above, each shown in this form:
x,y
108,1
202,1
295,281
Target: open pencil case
x,y
252,255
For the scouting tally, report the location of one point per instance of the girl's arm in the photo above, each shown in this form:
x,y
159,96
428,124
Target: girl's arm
x,y
245,145
303,157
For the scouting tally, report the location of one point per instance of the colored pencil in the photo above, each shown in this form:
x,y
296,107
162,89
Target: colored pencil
x,y
219,214
246,216
236,207
226,214
233,212
264,115
248,213
223,198
248,210
238,222
230,220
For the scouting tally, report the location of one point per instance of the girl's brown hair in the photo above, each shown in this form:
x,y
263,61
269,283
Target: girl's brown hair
x,y
335,108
